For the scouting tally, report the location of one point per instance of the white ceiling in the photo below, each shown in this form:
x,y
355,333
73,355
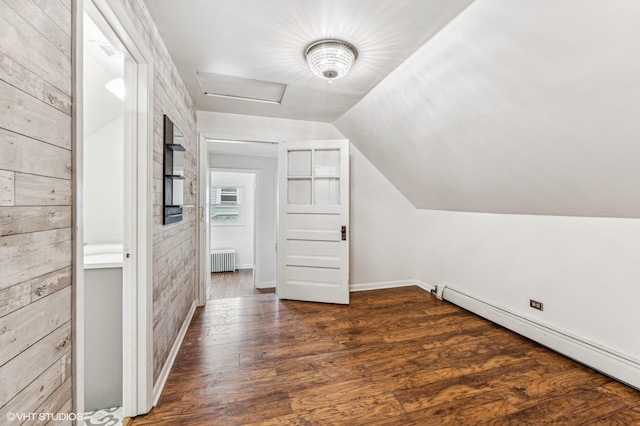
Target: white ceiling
x,y
265,40
528,107
518,107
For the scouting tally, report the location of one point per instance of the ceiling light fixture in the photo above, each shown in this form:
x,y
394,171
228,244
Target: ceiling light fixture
x,y
116,86
330,59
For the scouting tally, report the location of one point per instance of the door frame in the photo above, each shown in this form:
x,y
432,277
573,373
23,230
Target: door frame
x,y
137,301
203,228
204,246
256,205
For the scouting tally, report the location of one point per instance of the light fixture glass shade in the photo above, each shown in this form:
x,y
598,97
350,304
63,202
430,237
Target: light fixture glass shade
x,y
116,86
330,59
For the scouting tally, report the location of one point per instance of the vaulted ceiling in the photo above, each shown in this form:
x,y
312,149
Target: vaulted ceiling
x,y
266,40
527,106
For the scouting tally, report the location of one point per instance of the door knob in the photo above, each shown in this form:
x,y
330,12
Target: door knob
x,y
344,233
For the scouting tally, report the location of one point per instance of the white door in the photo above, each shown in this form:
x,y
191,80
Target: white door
x,y
313,228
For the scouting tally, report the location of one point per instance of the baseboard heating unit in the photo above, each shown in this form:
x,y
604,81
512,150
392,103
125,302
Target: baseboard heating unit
x,y
619,366
223,260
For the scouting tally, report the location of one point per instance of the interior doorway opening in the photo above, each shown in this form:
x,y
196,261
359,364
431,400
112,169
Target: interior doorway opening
x,y
242,213
105,63
112,212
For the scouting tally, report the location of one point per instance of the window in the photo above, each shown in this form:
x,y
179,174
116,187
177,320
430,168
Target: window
x,y
226,205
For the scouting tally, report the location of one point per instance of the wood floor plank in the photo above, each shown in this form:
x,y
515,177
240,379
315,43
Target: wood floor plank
x,y
391,357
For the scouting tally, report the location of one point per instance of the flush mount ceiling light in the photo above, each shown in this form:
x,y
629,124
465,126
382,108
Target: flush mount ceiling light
x,y
330,59
116,86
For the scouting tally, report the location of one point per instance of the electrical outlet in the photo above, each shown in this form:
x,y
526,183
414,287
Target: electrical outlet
x,y
535,304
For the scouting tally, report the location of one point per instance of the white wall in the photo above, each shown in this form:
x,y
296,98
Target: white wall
x,y
234,126
104,184
383,224
266,210
382,244
584,270
238,237
527,107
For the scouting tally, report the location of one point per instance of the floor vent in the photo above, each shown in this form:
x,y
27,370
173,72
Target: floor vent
x,y
223,260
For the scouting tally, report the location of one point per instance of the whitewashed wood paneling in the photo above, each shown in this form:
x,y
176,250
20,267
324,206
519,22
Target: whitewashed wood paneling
x,y
174,244
21,220
20,77
35,206
25,44
28,325
50,283
46,26
58,13
18,373
14,298
23,154
31,117
34,395
7,188
32,190
27,256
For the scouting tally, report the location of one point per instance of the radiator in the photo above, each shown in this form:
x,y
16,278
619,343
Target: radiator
x,y
223,260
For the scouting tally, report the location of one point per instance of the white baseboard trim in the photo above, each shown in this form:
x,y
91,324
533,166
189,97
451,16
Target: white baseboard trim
x,y
266,284
619,366
164,374
245,266
389,284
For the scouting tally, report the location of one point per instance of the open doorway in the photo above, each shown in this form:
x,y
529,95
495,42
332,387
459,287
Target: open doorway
x,y
112,192
242,193
105,63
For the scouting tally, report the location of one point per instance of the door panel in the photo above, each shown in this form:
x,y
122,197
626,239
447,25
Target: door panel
x,y
313,258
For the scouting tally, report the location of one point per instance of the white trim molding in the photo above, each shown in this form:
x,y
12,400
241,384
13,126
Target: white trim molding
x,y
619,366
245,266
390,284
166,369
265,284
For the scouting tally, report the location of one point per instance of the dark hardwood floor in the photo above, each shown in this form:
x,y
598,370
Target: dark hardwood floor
x,y
392,357
234,284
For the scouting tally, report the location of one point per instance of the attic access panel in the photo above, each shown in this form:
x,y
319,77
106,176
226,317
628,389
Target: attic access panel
x,y
227,86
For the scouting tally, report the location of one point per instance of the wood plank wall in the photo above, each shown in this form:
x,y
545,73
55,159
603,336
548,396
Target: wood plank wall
x,y
35,203
35,206
174,245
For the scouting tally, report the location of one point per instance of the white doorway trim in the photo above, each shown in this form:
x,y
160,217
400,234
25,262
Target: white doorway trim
x,y
256,216
137,298
203,225
203,208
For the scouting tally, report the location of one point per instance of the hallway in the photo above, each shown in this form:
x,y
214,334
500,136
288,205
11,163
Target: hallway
x,y
234,284
259,360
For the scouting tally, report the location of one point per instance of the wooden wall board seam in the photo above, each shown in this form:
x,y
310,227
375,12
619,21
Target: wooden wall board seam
x,y
15,29
20,77
31,323
58,13
36,392
43,24
29,116
27,256
20,371
16,220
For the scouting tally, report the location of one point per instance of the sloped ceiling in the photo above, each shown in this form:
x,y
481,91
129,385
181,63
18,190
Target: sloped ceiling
x,y
528,106
266,40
